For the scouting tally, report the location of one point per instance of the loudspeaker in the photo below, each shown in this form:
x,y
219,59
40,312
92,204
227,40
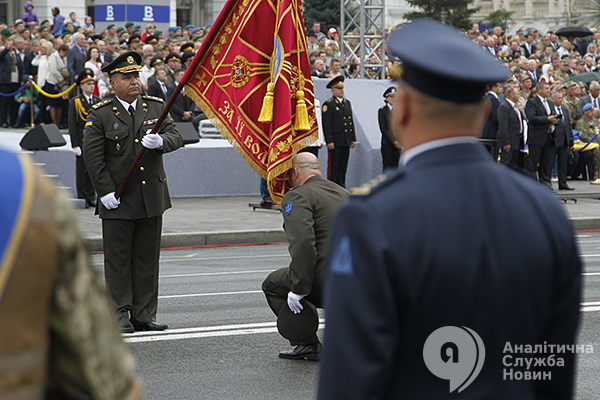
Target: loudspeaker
x,y
41,137
187,132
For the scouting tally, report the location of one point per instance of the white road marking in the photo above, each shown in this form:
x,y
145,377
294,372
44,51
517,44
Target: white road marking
x,y
177,296
590,273
262,271
186,258
207,331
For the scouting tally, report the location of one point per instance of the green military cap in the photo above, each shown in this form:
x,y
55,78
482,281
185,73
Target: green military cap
x,y
156,60
151,39
84,76
42,28
6,32
186,46
110,26
67,31
127,25
157,33
128,62
76,28
196,38
176,35
297,327
135,31
120,29
23,30
18,21
44,21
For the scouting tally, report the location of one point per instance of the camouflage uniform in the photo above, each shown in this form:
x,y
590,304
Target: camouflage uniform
x,y
586,133
571,104
562,76
59,337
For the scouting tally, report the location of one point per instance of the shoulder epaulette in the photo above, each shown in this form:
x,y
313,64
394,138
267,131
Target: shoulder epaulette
x,y
366,189
101,104
153,98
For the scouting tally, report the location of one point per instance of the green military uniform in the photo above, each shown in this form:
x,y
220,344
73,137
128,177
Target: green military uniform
x,y
58,337
308,213
562,76
571,104
586,133
131,232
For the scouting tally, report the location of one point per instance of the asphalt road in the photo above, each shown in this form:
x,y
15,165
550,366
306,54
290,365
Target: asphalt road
x,y
223,343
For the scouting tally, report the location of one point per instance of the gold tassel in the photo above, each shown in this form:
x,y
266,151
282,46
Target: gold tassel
x,y
266,112
301,113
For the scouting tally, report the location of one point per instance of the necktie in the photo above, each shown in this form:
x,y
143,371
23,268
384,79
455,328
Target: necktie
x,y
83,51
519,116
131,112
164,88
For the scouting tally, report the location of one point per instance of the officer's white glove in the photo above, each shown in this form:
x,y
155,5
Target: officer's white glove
x,y
154,141
77,151
293,301
110,201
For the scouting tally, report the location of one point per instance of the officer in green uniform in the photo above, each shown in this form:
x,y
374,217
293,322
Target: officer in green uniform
x,y
58,338
308,213
115,132
587,128
338,128
78,114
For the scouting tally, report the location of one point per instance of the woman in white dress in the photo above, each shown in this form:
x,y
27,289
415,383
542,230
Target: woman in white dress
x,y
92,61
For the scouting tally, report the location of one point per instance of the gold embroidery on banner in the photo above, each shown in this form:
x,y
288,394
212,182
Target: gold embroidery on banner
x,y
240,72
228,29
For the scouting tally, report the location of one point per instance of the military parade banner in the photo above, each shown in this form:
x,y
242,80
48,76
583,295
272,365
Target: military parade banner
x,y
252,79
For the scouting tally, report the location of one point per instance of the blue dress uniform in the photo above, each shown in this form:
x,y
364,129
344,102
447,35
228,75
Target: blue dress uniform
x,y
434,246
338,128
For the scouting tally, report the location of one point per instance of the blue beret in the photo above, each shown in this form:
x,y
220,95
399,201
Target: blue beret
x,y
137,27
439,61
195,30
189,26
172,29
588,106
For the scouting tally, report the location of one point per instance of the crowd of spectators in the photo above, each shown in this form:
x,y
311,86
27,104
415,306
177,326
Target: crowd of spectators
x,y
54,52
557,72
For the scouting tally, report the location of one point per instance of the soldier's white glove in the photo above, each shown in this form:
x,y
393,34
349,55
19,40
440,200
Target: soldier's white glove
x,y
110,201
77,151
293,301
154,141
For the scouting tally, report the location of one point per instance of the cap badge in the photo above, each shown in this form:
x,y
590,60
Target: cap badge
x,y
130,60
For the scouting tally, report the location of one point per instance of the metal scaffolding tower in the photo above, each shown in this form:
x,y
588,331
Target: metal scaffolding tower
x,y
363,38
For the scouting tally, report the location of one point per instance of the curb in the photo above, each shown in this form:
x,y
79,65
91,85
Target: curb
x,y
190,239
585,223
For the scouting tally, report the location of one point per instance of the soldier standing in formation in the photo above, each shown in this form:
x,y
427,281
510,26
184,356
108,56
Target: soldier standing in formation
x,y
131,225
293,292
58,338
587,128
390,148
79,108
338,128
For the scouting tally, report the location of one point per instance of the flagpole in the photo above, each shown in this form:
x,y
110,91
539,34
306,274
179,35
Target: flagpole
x,y
157,125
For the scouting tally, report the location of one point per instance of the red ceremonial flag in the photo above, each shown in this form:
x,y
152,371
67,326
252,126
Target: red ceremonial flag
x,y
252,79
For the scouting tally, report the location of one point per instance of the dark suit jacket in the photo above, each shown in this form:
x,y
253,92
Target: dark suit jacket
x,y
563,134
182,103
111,142
490,129
383,115
75,62
539,127
78,118
389,288
527,53
155,90
6,67
582,102
509,128
28,68
338,125
107,57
